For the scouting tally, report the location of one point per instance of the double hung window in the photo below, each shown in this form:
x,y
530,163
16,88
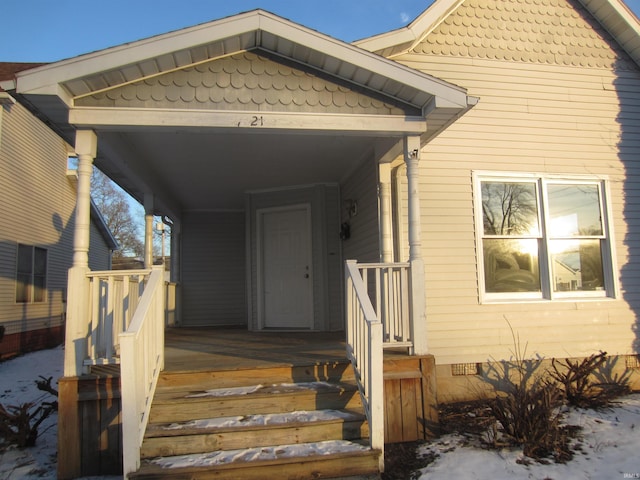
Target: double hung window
x,y
542,237
31,274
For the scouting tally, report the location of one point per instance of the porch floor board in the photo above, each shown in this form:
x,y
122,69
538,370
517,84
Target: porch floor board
x,y
202,348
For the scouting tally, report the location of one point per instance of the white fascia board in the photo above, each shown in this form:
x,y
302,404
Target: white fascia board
x,y
258,121
6,99
364,59
415,31
8,85
619,21
43,79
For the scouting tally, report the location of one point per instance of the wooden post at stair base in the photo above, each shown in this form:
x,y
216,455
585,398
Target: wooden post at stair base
x,y
77,322
418,301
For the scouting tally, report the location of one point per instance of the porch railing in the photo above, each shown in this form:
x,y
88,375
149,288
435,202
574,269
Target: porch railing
x,y
142,354
388,286
114,298
364,349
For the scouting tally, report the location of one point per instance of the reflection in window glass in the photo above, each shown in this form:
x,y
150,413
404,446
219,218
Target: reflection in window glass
x,y
511,265
510,208
31,275
577,265
574,210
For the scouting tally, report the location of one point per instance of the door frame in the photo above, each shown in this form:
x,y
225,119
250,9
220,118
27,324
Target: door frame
x,y
260,284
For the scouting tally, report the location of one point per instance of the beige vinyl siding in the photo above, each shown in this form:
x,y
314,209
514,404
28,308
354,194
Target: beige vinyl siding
x,y
37,208
213,269
533,118
362,187
99,252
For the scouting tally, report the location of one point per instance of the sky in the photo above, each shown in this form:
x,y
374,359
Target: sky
x,y
51,30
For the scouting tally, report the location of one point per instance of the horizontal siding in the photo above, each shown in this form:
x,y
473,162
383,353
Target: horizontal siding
x,y
361,186
38,204
531,118
213,269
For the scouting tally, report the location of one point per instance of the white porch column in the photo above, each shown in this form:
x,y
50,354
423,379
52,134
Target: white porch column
x,y
148,230
386,221
77,325
418,305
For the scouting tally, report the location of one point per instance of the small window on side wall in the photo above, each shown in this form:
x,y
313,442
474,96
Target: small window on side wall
x,y
542,237
31,274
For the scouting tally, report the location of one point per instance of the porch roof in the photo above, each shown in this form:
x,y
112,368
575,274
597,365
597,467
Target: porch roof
x,y
139,148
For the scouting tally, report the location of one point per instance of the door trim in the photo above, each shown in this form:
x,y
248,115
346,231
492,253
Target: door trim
x,y
260,213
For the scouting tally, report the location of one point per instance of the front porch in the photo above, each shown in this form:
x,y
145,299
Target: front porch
x,y
201,359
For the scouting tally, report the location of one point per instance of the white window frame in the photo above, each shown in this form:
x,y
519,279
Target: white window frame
x,y
547,292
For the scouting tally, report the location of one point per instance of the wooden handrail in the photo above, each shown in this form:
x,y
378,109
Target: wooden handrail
x,y
364,349
142,355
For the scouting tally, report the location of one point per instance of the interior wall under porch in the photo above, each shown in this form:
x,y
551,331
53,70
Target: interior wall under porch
x,y
213,269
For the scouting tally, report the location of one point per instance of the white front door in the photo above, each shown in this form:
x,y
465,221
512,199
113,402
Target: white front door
x,y
287,280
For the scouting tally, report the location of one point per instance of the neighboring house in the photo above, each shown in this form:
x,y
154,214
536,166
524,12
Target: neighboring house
x,y
38,200
490,146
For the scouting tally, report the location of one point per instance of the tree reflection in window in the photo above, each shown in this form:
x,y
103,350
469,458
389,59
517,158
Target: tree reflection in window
x,y
511,229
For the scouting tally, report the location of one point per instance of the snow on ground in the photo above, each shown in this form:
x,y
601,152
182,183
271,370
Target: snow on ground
x,y
610,439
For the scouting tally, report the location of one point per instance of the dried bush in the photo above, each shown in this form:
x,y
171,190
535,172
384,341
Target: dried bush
x,y
527,407
19,423
587,383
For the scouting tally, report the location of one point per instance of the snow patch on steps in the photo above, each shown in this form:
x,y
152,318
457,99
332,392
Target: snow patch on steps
x,y
264,420
260,453
275,388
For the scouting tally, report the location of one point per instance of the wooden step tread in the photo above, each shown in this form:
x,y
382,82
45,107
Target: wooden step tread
x,y
178,406
319,371
252,422
229,393
319,460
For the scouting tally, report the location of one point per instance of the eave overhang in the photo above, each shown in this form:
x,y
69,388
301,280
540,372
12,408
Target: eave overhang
x,y
51,89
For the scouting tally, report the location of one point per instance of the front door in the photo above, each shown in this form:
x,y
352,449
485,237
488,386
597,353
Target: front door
x,y
287,280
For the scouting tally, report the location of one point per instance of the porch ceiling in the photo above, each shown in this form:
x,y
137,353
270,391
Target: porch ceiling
x,y
198,170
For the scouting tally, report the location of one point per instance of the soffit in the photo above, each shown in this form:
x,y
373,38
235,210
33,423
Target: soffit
x,y
129,63
248,81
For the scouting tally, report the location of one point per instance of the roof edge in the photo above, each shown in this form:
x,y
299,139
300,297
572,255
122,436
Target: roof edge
x,y
404,38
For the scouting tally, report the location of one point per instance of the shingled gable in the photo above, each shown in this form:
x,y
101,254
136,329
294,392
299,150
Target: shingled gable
x,y
612,15
56,88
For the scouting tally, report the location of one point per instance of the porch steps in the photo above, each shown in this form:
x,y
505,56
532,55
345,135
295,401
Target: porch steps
x,y
262,423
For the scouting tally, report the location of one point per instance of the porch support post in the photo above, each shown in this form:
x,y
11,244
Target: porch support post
x,y
386,222
78,283
148,230
418,301
78,321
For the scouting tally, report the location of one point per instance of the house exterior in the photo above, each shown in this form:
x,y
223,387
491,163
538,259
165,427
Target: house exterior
x,y
487,149
558,83
38,197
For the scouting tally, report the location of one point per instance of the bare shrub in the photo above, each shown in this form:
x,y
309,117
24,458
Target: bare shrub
x,y
588,382
19,423
527,407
